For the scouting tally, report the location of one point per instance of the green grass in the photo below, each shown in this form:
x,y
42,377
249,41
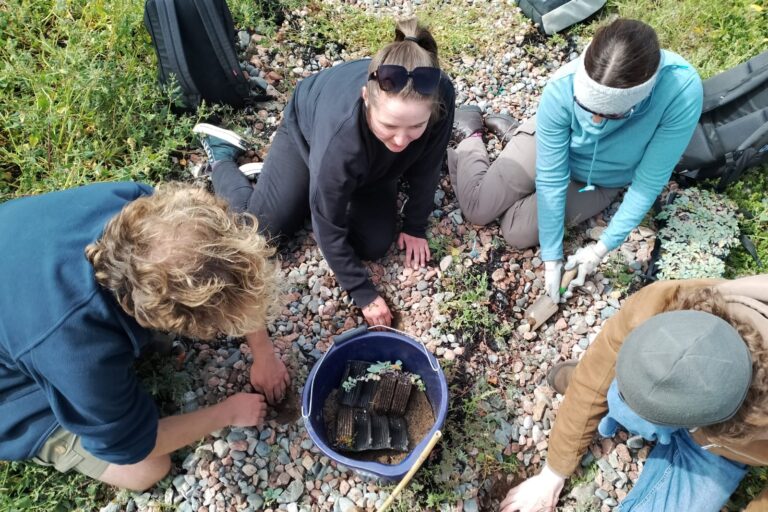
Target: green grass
x,y
712,36
79,101
749,193
27,487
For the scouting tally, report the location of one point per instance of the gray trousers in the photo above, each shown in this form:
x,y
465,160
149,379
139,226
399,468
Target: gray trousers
x,y
506,189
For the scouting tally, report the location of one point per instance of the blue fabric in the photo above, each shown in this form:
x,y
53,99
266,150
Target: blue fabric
x,y
619,414
640,150
681,476
66,347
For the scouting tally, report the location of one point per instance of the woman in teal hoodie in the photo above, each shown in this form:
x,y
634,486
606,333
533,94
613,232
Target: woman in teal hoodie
x,y
619,115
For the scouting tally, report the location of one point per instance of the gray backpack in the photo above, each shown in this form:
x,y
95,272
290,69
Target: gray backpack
x,y
556,15
732,134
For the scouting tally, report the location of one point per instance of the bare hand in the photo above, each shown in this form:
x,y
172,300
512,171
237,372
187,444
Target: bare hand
x,y
537,494
416,250
269,375
377,313
245,409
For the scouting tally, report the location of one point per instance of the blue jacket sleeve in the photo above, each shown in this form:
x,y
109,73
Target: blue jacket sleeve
x,y
659,159
85,367
553,137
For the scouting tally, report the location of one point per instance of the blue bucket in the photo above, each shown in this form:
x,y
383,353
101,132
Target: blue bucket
x,y
361,344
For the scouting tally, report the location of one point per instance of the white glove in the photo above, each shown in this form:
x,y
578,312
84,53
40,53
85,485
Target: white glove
x,y
553,271
587,258
537,494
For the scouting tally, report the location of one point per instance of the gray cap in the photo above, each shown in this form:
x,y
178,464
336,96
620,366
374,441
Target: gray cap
x,y
685,369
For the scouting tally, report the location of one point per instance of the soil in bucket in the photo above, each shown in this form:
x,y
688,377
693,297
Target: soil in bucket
x,y
380,398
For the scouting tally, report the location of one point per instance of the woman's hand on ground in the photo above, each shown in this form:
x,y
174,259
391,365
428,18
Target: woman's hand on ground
x,y
537,494
377,312
269,376
416,250
245,409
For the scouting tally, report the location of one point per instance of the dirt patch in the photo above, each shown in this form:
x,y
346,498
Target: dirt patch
x,y
289,410
419,417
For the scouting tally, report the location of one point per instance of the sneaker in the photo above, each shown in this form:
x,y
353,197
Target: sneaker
x,y
559,376
204,171
252,170
467,120
220,144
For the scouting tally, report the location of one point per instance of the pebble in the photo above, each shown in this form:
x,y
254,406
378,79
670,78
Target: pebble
x,y
292,493
346,505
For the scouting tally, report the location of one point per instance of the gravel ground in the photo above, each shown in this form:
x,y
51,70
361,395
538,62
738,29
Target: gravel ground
x,y
500,393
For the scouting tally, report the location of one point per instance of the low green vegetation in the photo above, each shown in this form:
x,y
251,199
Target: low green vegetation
x,y
468,308
749,194
27,487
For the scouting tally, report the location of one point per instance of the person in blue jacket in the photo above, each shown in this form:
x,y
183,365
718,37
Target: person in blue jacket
x,y
618,116
88,276
347,137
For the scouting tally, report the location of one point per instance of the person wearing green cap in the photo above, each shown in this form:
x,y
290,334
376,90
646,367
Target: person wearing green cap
x,y
683,364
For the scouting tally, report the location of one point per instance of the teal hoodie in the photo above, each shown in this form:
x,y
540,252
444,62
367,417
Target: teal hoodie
x,y
639,150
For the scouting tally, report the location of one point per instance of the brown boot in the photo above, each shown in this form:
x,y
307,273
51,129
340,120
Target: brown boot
x,y
467,120
502,126
559,376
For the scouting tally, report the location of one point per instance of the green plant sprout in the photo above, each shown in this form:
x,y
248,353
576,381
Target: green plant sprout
x,y
271,494
375,371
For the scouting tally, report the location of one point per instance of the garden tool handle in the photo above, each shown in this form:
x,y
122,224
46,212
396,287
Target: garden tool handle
x,y
568,276
409,475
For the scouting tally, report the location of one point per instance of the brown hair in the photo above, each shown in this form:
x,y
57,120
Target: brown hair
x,y
180,261
752,416
623,54
409,53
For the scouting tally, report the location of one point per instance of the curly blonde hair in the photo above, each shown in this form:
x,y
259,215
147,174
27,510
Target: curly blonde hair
x,y
752,416
180,261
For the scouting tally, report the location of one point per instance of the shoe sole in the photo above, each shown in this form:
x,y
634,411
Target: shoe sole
x,y
220,133
252,169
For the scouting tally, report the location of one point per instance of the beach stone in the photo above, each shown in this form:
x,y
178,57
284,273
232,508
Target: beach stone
x,y
346,505
220,448
292,493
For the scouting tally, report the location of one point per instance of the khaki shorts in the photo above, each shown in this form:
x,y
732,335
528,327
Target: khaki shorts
x,y
64,451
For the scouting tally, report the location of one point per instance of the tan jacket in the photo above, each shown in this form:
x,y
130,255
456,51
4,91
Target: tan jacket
x,y
585,402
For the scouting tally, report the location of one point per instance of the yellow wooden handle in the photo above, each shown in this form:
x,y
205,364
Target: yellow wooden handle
x,y
407,478
568,276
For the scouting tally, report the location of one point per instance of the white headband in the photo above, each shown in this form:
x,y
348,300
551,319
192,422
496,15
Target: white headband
x,y
608,100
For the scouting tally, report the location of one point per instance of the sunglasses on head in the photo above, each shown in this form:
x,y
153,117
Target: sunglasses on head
x,y
604,116
393,78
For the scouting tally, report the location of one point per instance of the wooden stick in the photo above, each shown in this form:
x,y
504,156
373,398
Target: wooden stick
x,y
409,475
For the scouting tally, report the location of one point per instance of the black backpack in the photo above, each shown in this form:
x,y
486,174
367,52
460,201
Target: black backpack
x,y
732,134
195,42
556,15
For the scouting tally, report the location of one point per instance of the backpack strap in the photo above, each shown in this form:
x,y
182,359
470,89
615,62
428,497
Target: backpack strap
x,y
164,30
741,158
221,41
